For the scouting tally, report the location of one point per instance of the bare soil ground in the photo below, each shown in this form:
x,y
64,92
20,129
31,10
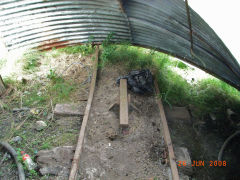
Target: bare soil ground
x,y
112,153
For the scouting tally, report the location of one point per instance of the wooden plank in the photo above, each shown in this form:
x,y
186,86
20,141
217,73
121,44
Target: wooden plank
x,y
2,86
123,103
167,136
76,158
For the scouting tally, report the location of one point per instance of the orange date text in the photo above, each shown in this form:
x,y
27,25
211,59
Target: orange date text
x,y
200,163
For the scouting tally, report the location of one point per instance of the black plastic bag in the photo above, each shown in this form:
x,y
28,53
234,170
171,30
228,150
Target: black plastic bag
x,y
139,81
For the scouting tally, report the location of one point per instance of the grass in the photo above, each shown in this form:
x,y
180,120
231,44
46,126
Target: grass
x,y
84,49
2,62
208,95
31,60
40,95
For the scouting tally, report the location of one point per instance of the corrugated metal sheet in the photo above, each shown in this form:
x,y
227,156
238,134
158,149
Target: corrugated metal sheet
x,y
158,24
37,23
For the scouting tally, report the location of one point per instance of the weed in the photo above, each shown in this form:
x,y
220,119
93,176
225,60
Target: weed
x,y
32,173
180,65
45,145
108,50
130,57
2,62
84,49
19,156
31,60
209,95
34,96
61,90
54,77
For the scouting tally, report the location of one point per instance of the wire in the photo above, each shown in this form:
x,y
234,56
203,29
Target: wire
x,y
10,149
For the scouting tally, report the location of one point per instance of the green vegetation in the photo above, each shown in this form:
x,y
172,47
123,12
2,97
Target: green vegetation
x,y
59,88
31,60
2,62
45,145
208,95
40,94
85,49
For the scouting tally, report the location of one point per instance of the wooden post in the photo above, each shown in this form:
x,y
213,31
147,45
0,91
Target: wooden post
x,y
76,158
123,103
2,86
167,136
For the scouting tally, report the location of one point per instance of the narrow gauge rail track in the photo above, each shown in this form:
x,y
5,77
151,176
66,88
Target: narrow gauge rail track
x,y
161,119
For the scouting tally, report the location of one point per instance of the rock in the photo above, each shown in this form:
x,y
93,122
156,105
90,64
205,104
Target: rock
x,y
213,116
182,155
17,139
233,117
56,161
70,109
175,114
20,109
40,125
49,116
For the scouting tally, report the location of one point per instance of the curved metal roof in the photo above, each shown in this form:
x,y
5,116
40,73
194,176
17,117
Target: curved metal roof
x,y
169,26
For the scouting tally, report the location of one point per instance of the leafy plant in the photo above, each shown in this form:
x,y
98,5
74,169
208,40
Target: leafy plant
x,y
85,49
45,145
54,77
31,60
59,89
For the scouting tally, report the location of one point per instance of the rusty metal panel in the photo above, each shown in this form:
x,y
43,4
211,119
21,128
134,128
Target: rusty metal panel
x,y
160,24
33,23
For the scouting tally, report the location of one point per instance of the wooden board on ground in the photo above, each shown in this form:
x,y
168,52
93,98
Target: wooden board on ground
x,y
123,103
2,86
167,136
79,147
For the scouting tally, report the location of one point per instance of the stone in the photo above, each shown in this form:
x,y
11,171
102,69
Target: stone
x,y
177,114
70,109
17,139
182,154
212,116
20,109
56,161
40,125
49,116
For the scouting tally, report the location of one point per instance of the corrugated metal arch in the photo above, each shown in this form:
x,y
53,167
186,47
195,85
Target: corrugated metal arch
x,y
159,24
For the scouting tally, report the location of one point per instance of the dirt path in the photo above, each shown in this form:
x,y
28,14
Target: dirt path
x,y
110,153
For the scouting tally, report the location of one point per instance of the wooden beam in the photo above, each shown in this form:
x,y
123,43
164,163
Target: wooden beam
x,y
167,136
76,158
2,86
123,103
